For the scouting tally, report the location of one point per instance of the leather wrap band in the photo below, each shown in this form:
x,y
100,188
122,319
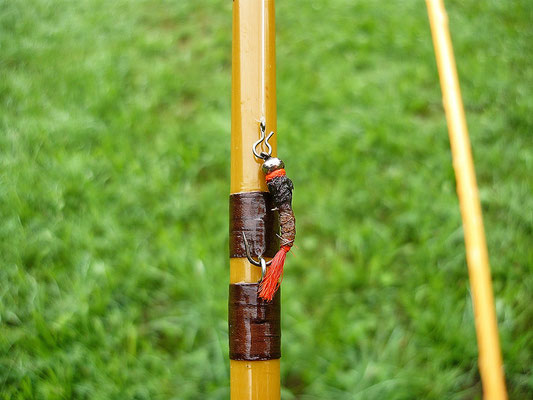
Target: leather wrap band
x,y
254,324
251,213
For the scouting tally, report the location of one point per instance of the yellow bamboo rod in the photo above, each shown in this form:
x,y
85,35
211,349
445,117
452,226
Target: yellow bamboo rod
x,y
253,52
246,104
490,360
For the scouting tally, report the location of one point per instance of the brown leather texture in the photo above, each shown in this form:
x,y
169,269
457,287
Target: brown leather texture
x,y
254,324
252,213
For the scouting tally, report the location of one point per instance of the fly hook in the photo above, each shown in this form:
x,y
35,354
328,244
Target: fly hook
x,y
261,263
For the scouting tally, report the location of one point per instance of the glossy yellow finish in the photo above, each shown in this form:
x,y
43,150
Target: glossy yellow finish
x,y
240,270
246,175
490,359
251,380
259,380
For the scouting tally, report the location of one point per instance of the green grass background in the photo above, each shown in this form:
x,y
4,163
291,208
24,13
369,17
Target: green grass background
x,y
114,183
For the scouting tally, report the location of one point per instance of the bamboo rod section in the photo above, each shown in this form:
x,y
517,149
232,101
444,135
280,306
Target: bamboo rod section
x,y
490,360
246,175
257,380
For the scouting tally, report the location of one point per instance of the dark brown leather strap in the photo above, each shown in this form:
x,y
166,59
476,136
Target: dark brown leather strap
x,y
251,213
254,324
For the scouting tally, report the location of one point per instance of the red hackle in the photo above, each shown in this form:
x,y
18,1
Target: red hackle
x,y
270,283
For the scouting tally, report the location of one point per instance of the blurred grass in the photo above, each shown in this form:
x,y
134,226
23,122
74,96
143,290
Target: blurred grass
x,y
114,180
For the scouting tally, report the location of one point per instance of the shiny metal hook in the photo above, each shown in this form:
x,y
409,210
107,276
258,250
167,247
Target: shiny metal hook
x,y
263,267
262,128
261,263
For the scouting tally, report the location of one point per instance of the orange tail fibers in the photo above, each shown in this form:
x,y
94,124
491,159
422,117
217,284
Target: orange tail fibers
x,y
270,283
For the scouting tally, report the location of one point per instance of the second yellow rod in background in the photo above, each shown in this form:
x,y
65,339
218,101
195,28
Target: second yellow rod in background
x,y
490,359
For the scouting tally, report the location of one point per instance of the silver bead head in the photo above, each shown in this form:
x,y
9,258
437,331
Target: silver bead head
x,y
272,164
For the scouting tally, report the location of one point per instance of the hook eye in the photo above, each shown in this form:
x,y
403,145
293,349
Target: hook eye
x,y
254,147
269,147
262,129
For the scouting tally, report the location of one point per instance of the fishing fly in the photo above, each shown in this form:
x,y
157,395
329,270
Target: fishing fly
x,y
280,187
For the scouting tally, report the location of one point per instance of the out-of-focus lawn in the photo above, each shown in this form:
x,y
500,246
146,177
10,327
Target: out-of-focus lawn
x,y
114,182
